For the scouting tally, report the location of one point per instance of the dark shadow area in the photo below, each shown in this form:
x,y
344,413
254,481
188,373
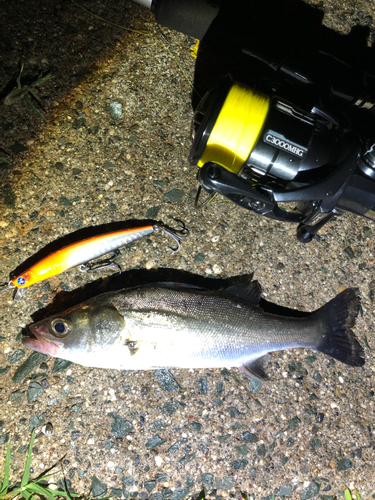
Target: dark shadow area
x,y
251,40
55,37
138,277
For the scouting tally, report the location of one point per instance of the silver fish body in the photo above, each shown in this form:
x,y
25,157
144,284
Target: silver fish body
x,y
158,326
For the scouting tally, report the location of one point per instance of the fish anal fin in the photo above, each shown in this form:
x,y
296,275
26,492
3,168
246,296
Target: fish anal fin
x,y
255,368
247,289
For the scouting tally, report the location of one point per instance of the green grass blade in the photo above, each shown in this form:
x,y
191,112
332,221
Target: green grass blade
x,y
35,109
348,495
41,79
47,476
26,495
202,495
15,95
36,488
357,495
25,477
34,94
4,160
4,487
18,81
66,494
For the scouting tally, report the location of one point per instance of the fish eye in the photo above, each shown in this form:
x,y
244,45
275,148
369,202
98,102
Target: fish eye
x,y
60,327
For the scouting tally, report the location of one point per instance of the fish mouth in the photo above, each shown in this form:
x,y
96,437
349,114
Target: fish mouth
x,y
39,343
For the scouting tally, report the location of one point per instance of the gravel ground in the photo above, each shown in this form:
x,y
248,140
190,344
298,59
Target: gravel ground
x,y
115,148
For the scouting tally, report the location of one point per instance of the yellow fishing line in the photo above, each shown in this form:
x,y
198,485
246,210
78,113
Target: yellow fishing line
x,y
194,50
236,129
143,33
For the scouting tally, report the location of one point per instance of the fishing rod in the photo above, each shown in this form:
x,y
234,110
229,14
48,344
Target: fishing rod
x,y
286,125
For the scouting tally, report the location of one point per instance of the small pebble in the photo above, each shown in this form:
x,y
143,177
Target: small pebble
x,y
320,418
47,429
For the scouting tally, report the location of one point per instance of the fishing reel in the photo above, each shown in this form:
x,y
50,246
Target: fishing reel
x,y
264,154
284,122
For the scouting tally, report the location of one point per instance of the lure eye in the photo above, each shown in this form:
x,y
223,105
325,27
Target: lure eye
x,y
60,327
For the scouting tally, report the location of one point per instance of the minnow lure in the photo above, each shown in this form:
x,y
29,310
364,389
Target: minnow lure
x,y
84,251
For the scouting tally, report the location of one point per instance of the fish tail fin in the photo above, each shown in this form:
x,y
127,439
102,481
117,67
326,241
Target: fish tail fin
x,y
338,340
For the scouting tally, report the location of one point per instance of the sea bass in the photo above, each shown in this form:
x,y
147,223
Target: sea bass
x,y
166,326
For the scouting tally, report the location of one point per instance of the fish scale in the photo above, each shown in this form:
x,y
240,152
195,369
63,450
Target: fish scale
x,y
253,332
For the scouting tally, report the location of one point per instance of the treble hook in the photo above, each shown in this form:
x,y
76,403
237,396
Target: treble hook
x,y
179,238
10,286
103,264
6,286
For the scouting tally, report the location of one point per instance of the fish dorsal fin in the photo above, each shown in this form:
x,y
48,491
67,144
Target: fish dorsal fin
x,y
247,290
255,368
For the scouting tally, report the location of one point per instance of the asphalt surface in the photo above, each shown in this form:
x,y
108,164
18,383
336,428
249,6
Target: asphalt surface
x,y
114,148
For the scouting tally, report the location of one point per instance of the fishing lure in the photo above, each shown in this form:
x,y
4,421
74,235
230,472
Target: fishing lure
x,y
84,251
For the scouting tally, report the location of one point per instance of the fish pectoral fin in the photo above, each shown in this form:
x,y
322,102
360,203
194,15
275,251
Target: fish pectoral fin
x,y
255,368
247,289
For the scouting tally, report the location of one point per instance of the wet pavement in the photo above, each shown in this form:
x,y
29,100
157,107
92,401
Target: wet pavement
x,y
115,148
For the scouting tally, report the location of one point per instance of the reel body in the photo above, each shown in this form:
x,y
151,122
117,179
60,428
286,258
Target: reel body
x,y
261,151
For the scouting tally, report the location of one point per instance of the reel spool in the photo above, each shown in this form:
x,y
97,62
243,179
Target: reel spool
x,y
227,124
255,137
